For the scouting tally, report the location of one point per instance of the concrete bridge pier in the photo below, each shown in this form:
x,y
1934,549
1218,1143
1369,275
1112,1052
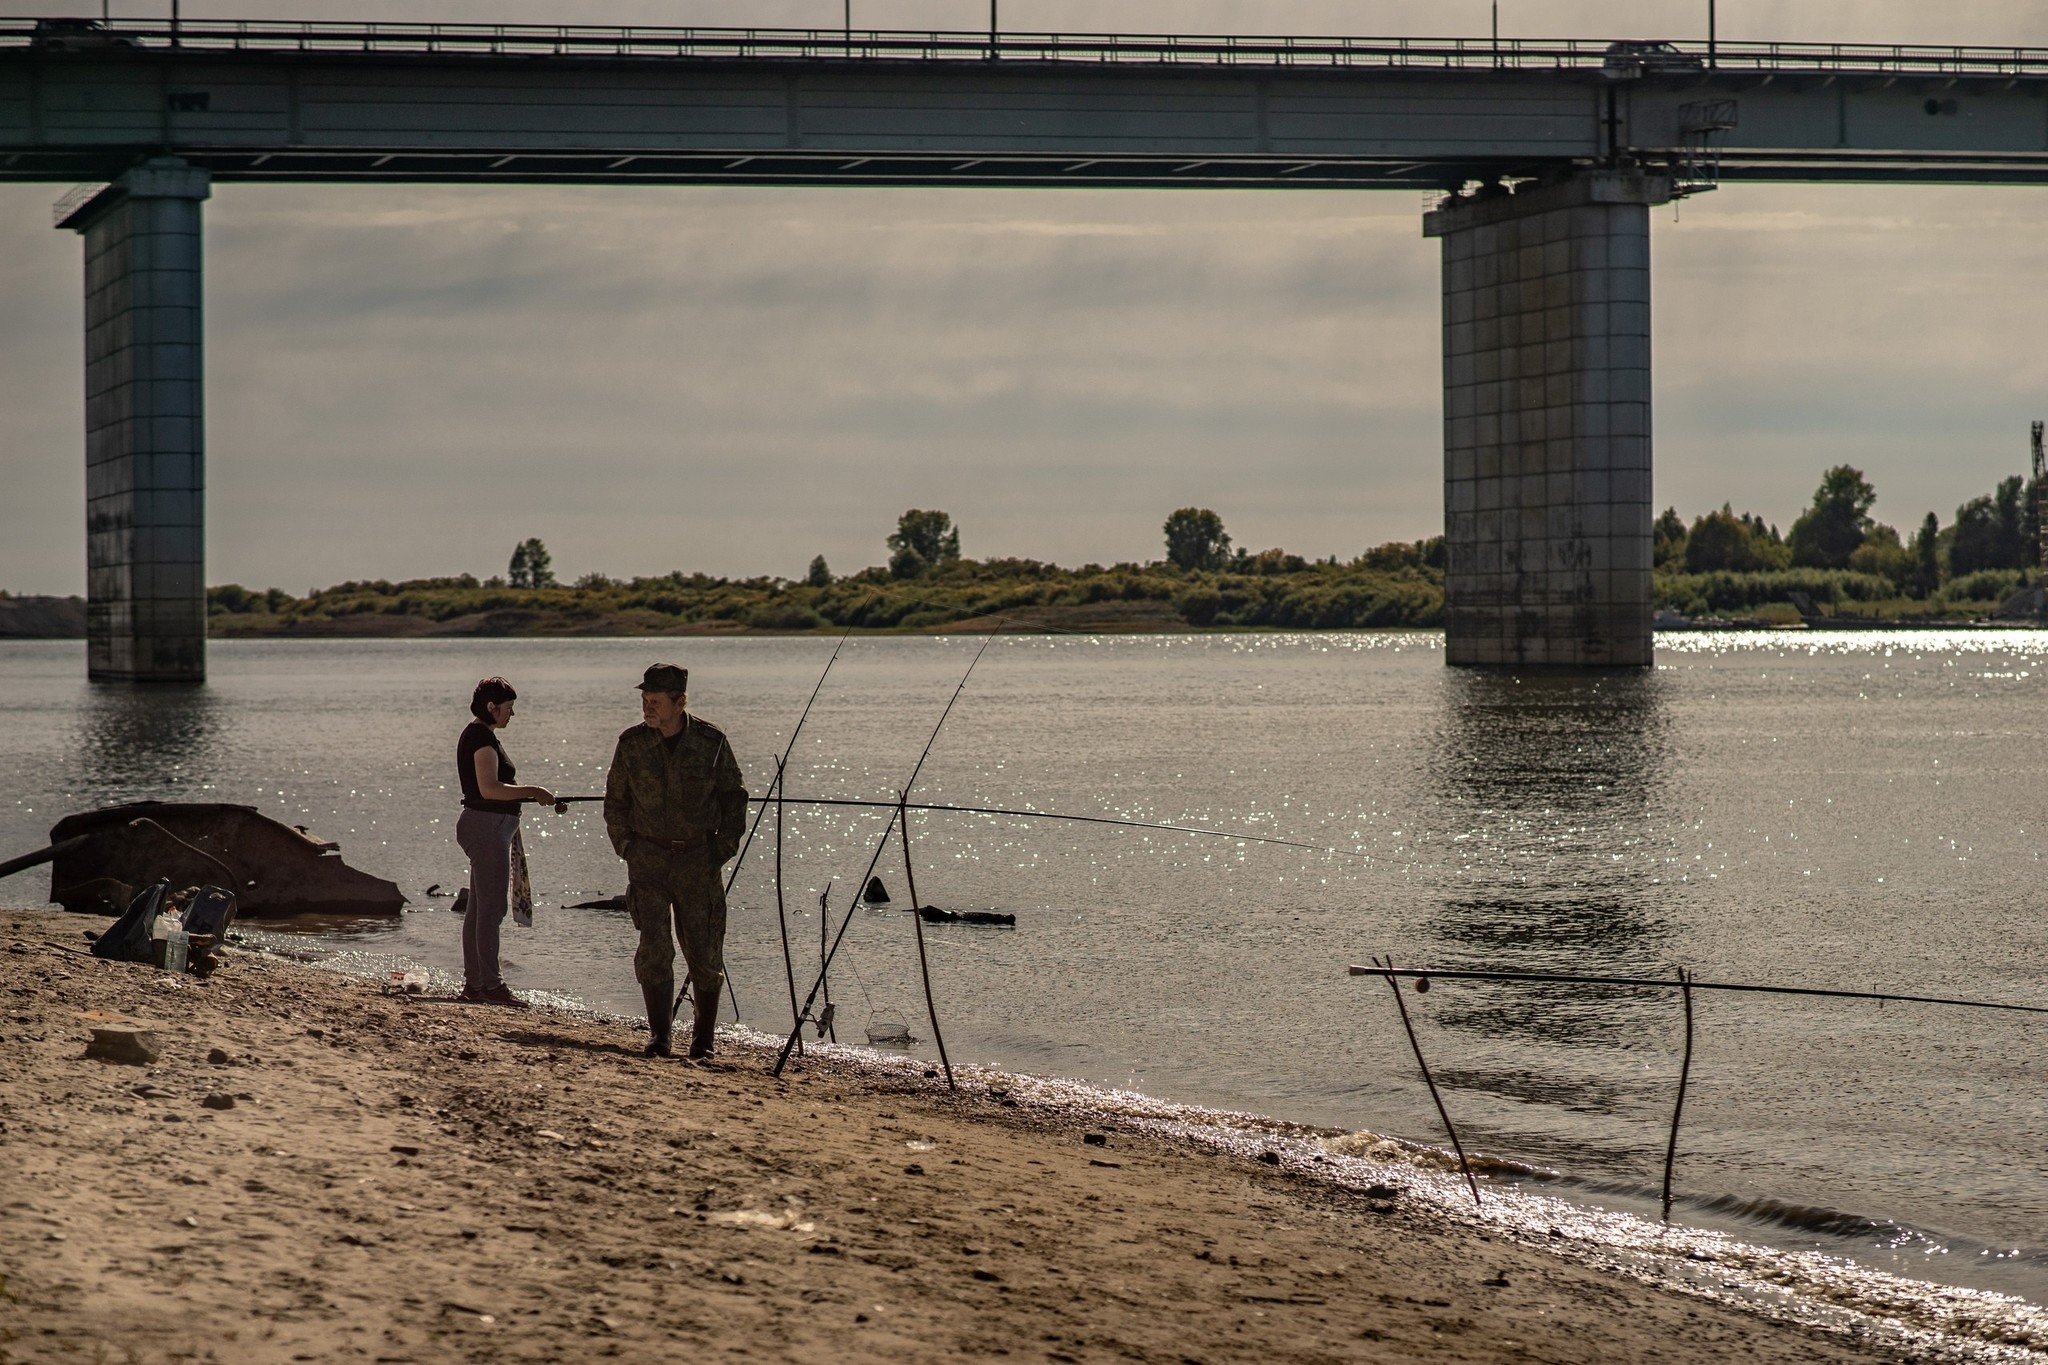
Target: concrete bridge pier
x,y
145,473
1547,421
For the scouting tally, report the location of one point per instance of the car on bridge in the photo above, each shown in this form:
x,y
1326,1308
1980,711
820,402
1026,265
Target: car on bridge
x,y
1633,58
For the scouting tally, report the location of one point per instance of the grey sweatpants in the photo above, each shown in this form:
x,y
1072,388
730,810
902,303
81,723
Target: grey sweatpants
x,y
487,839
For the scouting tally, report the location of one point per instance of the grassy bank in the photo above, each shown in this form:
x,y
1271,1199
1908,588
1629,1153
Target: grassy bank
x,y
1391,587
1284,593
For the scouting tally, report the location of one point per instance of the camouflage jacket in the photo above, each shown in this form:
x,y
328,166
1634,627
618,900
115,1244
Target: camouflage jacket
x,y
692,794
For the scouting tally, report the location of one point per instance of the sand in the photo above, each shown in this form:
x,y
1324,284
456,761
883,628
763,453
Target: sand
x,y
403,1179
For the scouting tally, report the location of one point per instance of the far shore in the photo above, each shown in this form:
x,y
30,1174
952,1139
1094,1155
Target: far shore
x,y
314,1171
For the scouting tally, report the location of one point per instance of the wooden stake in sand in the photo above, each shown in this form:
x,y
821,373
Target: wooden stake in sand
x,y
782,914
1429,1080
1684,1073
924,965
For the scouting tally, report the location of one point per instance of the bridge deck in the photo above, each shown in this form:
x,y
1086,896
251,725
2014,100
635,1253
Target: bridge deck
x,y
264,100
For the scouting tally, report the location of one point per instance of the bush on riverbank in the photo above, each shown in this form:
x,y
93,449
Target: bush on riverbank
x,y
1836,591
1394,586
1399,584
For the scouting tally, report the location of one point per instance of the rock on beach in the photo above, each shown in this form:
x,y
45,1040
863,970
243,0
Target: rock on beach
x,y
364,1193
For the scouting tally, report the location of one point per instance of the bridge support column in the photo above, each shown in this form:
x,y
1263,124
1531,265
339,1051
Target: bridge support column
x,y
1547,421
145,530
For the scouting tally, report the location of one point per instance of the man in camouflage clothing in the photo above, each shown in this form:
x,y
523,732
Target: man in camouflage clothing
x,y
676,811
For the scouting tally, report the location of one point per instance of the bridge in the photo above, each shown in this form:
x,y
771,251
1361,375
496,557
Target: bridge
x,y
1548,156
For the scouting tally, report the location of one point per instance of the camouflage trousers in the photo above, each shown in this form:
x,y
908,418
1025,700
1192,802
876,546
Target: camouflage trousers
x,y
684,889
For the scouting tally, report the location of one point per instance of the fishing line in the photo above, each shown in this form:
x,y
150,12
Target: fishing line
x,y
562,804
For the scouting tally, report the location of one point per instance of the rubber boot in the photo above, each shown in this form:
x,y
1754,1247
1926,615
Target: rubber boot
x,y
661,1004
707,1019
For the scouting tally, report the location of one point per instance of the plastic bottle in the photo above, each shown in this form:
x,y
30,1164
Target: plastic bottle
x,y
177,943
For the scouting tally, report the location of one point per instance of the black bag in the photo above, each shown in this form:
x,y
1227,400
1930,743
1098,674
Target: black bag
x,y
211,912
128,939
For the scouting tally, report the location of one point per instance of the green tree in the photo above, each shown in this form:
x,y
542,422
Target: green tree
x,y
922,540
2008,503
1195,539
1722,541
1830,529
1667,538
1978,541
1882,554
820,574
531,566
1926,552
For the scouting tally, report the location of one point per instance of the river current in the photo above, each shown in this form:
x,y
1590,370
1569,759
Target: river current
x,y
1851,811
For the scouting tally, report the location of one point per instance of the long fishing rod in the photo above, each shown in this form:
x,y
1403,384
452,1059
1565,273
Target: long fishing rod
x,y
1424,974
883,843
748,842
562,803
787,750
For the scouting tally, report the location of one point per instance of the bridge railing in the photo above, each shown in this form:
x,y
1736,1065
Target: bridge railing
x,y
755,44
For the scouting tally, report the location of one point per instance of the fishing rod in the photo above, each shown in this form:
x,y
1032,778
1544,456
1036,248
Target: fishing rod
x,y
787,750
748,842
1424,975
562,804
788,1046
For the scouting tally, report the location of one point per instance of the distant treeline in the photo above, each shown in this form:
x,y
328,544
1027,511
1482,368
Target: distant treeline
x,y
927,584
1728,562
37,617
1723,563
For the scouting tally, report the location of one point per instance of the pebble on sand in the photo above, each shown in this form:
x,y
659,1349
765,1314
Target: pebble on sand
x,y
128,1046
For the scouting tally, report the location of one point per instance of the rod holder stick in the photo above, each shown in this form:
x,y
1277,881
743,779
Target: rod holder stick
x,y
782,913
1430,1081
924,966
825,969
1684,1074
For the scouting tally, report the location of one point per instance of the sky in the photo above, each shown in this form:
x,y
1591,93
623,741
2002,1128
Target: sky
x,y
407,381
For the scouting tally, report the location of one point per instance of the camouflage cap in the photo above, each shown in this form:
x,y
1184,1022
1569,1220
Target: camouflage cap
x,y
665,678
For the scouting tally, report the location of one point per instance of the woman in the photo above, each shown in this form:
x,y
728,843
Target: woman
x,y
488,832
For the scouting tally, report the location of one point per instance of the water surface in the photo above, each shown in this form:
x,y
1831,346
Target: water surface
x,y
1857,811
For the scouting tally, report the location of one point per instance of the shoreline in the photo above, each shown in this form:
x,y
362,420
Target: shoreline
x,y
404,1179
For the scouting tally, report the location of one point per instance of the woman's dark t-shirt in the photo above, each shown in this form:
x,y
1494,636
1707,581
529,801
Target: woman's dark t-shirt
x,y
477,735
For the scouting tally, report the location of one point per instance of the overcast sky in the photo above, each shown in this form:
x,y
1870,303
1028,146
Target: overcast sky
x,y
407,381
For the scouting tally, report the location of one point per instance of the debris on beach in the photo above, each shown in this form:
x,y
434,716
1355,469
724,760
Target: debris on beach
x,y
101,859
602,903
932,914
889,1033
124,1044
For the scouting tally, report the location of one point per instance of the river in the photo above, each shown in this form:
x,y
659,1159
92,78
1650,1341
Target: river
x,y
1858,811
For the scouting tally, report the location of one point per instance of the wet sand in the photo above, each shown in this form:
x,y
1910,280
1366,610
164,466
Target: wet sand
x,y
402,1179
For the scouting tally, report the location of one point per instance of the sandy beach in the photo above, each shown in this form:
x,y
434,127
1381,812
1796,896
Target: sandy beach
x,y
404,1179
